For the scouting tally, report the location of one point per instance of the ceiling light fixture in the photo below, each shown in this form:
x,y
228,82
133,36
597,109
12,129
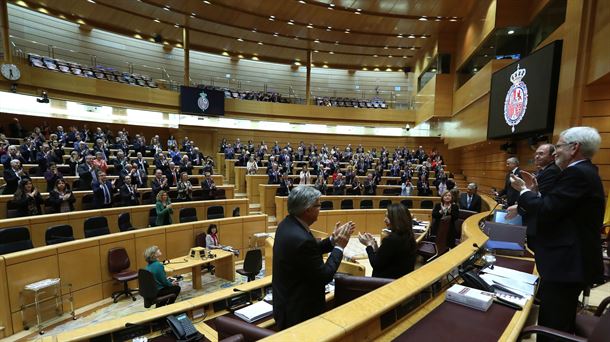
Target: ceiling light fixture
x,y
385,47
272,18
511,31
301,2
156,21
399,36
316,51
309,26
331,5
290,22
240,56
411,36
330,52
166,8
240,40
376,69
325,66
275,34
423,18
224,53
423,36
260,43
316,41
365,69
254,30
297,63
207,2
375,56
254,58
91,1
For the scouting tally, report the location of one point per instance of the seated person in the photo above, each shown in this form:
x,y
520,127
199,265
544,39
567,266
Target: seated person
x,y
320,184
356,187
339,185
164,209
61,199
423,187
51,176
447,208
165,285
13,175
27,199
396,255
285,185
211,239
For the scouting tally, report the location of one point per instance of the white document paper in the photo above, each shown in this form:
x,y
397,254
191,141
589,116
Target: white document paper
x,y
254,312
512,274
522,288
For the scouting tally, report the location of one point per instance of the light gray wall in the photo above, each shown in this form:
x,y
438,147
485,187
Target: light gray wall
x,y
32,31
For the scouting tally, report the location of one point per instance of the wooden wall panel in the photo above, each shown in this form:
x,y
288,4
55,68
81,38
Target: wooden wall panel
x,y
596,113
179,241
475,29
600,48
469,126
5,312
477,86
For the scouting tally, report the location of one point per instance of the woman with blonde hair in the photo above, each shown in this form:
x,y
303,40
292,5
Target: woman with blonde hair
x,y
164,209
166,285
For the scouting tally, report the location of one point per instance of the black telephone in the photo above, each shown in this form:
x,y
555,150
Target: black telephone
x,y
471,279
183,328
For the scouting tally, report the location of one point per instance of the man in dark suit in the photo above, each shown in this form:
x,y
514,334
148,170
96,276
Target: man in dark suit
x,y
102,191
470,200
86,173
547,173
208,186
568,220
12,177
299,272
159,183
339,185
129,192
512,165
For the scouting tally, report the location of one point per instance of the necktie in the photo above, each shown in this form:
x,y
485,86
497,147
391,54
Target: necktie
x,y
106,194
469,200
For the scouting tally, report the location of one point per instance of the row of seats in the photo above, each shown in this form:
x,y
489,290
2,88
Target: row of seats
x,y
368,204
18,238
147,197
98,72
376,103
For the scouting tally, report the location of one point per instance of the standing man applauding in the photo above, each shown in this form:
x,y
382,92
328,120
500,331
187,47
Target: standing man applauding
x,y
568,219
299,272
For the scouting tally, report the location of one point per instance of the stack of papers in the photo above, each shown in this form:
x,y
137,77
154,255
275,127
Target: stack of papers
x,y
42,284
254,312
514,286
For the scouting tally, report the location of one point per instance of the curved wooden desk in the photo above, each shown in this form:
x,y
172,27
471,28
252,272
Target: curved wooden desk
x,y
83,262
38,225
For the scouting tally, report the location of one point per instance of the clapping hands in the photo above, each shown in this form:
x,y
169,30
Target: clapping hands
x,y
368,240
342,233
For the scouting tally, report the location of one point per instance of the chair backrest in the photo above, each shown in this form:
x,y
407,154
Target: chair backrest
x,y
239,330
390,191
236,212
383,204
14,240
11,209
96,226
118,260
87,202
152,217
59,234
220,194
426,204
125,222
253,261
407,203
172,194
188,215
326,205
215,211
349,287
197,195
147,287
442,234
602,329
200,240
366,204
347,204
147,197
463,215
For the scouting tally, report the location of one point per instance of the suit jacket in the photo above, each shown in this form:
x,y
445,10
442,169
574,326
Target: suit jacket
x,y
12,181
475,203
511,194
394,258
569,216
98,194
300,273
85,175
156,186
55,201
129,198
546,179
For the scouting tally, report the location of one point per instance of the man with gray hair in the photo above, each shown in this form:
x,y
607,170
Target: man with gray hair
x,y
299,272
471,200
568,219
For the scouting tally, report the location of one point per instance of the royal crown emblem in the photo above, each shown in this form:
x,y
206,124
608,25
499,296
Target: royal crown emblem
x,y
515,103
202,102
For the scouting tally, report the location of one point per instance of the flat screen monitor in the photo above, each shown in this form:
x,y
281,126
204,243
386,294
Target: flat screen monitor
x,y
199,101
524,94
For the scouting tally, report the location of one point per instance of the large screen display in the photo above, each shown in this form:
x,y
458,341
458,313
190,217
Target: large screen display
x,y
524,94
199,101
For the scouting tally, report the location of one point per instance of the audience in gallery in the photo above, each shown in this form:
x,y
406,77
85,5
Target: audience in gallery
x,y
446,209
165,284
164,209
129,192
397,253
27,199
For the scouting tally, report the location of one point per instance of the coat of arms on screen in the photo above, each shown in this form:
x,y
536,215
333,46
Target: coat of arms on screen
x,y
202,102
515,103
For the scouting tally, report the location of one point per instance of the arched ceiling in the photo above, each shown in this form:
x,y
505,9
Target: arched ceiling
x,y
348,34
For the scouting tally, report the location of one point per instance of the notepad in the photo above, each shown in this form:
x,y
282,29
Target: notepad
x,y
254,312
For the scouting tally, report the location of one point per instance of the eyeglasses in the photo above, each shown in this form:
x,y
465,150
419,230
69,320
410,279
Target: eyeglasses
x,y
562,145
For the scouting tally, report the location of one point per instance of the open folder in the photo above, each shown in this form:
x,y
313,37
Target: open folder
x,y
254,312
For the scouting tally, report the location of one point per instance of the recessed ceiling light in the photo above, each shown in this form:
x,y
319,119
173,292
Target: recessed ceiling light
x,y
137,36
330,52
316,41
412,48
385,47
316,51
475,69
390,56
177,25
423,36
240,40
260,43
206,2
453,19
309,26
511,31
404,56
331,5
296,38
388,69
91,1
275,34
399,48
375,56
399,36
166,8
365,69
438,19
346,30
156,21
240,56
254,58
376,69
301,1
290,22
224,53
411,36
423,18
297,63
272,18
325,66
357,12
254,30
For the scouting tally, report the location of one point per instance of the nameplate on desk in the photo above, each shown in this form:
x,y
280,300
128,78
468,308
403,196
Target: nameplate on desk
x,y
469,297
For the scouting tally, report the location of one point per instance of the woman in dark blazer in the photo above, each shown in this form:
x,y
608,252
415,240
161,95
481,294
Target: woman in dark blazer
x,y
396,255
27,199
447,208
61,199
